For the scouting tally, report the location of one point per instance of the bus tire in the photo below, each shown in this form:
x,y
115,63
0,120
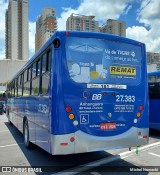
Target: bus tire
x,y
10,123
26,134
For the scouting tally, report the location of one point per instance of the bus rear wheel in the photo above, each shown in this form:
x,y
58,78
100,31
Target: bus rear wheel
x,y
26,134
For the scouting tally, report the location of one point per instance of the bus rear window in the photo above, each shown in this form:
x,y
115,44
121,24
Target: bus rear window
x,y
92,60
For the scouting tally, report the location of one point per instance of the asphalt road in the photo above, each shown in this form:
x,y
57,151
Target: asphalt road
x,y
15,157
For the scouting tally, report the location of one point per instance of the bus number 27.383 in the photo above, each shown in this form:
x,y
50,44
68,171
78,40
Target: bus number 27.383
x,y
125,98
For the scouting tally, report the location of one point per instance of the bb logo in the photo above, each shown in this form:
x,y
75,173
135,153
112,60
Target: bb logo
x,y
96,96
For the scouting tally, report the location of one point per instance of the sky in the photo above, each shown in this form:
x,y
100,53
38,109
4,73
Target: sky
x,y
142,18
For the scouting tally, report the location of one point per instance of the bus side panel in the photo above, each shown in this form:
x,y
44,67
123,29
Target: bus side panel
x,y
43,138
14,113
154,117
20,124
32,131
42,120
30,115
20,113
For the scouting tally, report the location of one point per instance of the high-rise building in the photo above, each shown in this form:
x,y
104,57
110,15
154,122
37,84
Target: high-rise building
x,y
46,25
17,39
114,27
82,23
153,61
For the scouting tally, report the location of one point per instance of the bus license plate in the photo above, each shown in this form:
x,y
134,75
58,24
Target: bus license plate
x,y
107,126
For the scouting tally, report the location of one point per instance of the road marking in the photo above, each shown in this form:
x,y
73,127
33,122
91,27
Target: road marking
x,y
143,148
4,130
95,173
154,154
90,165
16,144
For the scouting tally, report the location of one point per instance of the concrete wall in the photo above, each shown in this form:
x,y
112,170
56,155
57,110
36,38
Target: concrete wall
x,y
8,68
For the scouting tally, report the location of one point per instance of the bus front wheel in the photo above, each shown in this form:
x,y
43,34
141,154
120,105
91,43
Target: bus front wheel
x,y
26,134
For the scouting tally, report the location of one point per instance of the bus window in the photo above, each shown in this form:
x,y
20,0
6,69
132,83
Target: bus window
x,y
29,74
27,82
152,90
45,72
158,78
151,79
38,68
14,90
26,88
34,70
25,76
91,62
35,86
48,61
44,61
20,82
16,87
35,78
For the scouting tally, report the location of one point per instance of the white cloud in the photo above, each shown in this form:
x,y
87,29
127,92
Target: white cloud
x,y
101,9
149,15
146,36
64,15
128,9
3,7
32,31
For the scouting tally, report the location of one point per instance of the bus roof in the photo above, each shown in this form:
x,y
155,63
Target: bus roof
x,y
77,34
154,73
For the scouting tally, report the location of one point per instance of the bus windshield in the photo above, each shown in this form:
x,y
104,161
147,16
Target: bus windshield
x,y
94,60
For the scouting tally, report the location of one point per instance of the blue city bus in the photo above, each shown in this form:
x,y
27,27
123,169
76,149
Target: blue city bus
x,y
154,99
82,92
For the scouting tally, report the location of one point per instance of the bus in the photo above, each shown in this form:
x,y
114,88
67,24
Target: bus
x,y
154,99
2,102
82,92
2,98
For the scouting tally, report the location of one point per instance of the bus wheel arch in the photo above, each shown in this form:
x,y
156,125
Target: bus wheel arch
x,y
26,133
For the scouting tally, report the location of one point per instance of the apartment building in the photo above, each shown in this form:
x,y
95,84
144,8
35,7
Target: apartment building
x,y
46,25
82,23
114,27
17,30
